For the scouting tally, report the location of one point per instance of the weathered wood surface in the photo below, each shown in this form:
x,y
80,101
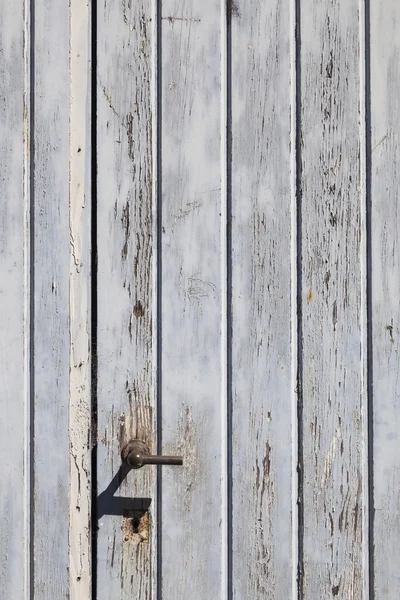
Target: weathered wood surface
x,y
262,235
193,407
232,235
14,299
80,491
51,269
126,353
36,248
385,217
332,301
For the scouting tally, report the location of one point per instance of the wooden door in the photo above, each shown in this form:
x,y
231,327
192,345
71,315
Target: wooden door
x,y
199,249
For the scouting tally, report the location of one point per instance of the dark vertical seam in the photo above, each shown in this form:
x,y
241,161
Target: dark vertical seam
x,y
368,223
158,201
299,389
94,296
229,316
32,300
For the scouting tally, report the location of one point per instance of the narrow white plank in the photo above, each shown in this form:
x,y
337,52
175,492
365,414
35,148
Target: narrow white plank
x,y
14,299
332,301
192,415
261,300
51,301
80,236
126,399
385,218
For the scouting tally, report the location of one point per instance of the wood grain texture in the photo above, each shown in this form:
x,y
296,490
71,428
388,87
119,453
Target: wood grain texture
x,y
80,299
126,398
193,277
193,417
51,299
385,218
332,301
261,300
14,299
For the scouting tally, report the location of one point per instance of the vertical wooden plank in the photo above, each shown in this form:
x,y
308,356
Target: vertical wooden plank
x,y
193,418
385,219
126,400
14,298
332,301
51,298
80,297
261,299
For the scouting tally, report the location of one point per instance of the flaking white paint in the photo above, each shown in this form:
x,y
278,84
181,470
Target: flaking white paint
x,y
289,211
80,439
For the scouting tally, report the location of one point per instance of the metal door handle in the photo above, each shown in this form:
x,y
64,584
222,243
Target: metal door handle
x,y
136,454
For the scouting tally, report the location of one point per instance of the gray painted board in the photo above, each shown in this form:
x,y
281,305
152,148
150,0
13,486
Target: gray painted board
x,y
263,343
332,301
51,266
14,300
126,298
385,118
193,405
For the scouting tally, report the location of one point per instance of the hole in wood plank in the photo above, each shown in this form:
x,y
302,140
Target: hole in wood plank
x,y
136,526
